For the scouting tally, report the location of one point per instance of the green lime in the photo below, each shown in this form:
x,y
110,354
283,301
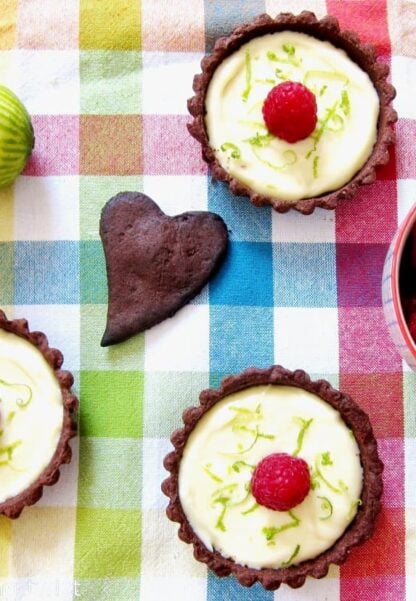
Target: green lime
x,y
16,136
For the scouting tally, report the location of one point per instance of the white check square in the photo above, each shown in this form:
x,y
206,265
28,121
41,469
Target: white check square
x,y
167,81
177,193
53,87
403,75
307,339
154,450
293,227
406,197
180,343
46,208
61,324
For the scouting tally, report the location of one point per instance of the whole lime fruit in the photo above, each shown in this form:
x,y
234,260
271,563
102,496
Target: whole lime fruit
x,y
16,136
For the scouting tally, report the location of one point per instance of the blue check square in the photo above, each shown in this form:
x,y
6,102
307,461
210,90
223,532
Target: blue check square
x,y
46,273
240,337
228,589
244,220
246,277
305,275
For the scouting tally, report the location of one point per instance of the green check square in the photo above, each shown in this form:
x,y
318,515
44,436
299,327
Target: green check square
x,y
126,356
409,396
166,395
93,273
109,473
111,403
94,589
95,191
110,82
107,543
7,273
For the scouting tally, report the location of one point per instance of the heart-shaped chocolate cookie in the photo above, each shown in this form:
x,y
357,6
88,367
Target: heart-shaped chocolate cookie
x,y
155,263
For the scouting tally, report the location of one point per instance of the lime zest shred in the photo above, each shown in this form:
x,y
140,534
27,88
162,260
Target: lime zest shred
x,y
250,509
8,450
235,151
11,416
210,473
20,401
284,564
266,81
223,496
330,112
314,480
245,410
326,458
236,466
220,521
345,103
331,75
289,49
260,140
323,90
290,57
290,156
218,493
281,75
271,531
342,487
304,423
315,166
327,506
256,434
338,123
256,124
247,89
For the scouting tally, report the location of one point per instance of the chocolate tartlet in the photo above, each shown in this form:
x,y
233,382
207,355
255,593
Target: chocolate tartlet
x,y
354,112
37,415
260,416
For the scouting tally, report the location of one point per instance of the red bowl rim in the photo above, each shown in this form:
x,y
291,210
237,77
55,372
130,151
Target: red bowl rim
x,y
403,233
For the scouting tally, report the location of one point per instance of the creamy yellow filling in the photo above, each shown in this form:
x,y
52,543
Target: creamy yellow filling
x,y
226,445
348,108
31,414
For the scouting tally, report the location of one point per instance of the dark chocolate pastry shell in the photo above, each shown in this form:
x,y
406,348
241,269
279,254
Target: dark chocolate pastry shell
x,y
13,507
327,29
360,529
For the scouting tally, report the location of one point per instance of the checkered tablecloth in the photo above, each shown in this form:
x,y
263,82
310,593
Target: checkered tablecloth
x,y
106,82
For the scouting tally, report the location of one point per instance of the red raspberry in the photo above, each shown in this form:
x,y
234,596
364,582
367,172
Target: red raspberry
x,y
280,481
290,111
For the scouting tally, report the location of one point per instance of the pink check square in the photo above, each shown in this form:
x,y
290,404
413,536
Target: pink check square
x,y
56,150
365,345
168,147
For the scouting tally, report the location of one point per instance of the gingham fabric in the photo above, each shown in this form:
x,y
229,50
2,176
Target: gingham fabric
x,y
106,82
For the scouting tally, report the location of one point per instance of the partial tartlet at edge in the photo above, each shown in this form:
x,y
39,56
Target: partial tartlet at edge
x,y
327,29
358,531
13,507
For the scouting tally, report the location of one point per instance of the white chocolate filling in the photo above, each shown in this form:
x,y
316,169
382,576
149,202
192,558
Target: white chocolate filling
x,y
348,108
31,414
237,433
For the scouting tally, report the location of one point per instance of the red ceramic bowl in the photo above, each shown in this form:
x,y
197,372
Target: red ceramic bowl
x,y
392,304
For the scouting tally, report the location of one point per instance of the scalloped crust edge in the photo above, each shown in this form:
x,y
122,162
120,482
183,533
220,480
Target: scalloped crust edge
x,y
360,529
326,29
13,507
